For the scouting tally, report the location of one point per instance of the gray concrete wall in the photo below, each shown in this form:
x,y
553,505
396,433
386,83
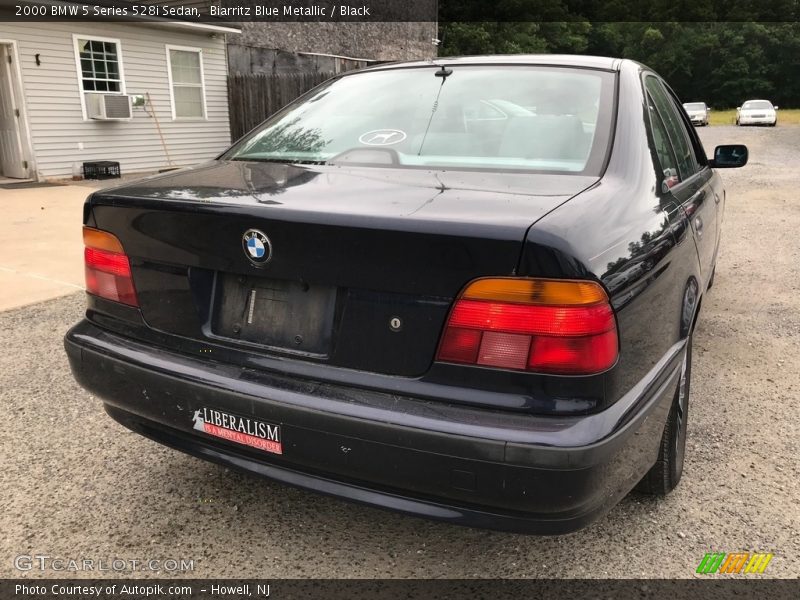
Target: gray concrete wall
x,y
374,41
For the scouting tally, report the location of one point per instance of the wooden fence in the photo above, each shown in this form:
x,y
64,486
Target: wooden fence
x,y
254,97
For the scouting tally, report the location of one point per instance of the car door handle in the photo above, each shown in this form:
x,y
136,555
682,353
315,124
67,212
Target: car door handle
x,y
717,198
698,226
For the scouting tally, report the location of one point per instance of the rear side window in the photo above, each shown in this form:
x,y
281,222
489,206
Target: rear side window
x,y
757,104
495,117
663,148
684,154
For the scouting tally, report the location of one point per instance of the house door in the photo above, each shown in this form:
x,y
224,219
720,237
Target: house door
x,y
12,159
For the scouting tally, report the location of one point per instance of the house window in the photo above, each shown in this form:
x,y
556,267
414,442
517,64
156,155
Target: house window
x,y
186,82
100,65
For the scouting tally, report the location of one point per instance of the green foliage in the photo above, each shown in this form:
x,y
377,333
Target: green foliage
x,y
514,38
721,63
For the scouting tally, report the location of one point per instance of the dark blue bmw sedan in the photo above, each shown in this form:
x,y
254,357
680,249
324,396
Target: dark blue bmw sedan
x,y
462,289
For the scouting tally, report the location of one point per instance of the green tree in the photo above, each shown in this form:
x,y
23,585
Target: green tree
x,y
721,63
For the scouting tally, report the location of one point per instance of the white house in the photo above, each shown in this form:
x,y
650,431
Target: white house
x,y
148,95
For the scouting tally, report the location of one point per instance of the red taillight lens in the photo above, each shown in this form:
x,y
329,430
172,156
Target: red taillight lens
x,y
108,272
532,319
542,325
573,355
460,345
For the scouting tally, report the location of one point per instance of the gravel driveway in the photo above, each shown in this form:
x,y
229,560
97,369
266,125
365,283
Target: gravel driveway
x,y
75,484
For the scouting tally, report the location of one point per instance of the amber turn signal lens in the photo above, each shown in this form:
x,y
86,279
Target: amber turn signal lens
x,y
101,240
547,292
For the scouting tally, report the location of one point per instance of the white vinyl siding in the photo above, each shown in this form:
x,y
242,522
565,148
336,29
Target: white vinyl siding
x,y
186,83
54,105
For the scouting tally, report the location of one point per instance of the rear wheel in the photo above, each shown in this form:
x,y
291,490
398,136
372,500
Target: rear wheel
x,y
665,474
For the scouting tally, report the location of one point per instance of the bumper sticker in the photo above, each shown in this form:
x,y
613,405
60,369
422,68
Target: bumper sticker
x,y
242,430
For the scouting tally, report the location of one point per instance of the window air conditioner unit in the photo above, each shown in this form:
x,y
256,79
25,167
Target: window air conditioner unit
x,y
108,107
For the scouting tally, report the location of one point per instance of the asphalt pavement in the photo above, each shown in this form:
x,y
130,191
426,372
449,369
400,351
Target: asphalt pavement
x,y
75,485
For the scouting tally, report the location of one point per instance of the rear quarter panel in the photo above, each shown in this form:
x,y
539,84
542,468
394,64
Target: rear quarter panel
x,y
626,234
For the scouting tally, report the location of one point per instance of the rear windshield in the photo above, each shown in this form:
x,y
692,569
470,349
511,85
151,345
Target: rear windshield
x,y
467,117
694,106
757,104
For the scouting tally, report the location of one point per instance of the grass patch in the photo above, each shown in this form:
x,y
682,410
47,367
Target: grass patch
x,y
787,116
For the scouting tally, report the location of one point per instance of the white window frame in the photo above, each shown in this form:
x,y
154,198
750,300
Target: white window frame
x,y
79,68
199,52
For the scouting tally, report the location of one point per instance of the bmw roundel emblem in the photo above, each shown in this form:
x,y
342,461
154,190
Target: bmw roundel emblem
x,y
257,247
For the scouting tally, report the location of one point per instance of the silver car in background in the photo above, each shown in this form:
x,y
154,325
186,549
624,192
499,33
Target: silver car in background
x,y
757,112
698,112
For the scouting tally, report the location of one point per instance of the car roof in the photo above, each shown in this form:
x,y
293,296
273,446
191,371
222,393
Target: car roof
x,y
553,60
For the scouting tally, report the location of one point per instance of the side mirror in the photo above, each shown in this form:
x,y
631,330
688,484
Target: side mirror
x,y
730,156
738,108
776,108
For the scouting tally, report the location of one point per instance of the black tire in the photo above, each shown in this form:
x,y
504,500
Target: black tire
x,y
773,124
665,474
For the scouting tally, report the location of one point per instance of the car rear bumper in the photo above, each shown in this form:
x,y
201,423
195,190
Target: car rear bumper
x,y
476,467
757,121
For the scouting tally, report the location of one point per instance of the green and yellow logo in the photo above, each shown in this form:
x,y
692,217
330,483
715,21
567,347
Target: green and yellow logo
x,y
736,562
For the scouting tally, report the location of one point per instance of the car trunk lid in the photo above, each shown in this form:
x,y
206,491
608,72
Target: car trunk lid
x,y
364,264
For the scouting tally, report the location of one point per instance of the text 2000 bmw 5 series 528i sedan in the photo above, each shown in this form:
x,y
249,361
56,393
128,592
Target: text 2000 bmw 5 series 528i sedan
x,y
463,290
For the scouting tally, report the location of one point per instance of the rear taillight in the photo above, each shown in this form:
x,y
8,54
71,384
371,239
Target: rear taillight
x,y
108,272
539,325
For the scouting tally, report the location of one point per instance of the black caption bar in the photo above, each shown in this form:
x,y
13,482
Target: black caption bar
x,y
711,588
222,11
442,11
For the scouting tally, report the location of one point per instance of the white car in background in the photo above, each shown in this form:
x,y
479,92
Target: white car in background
x,y
698,112
757,112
